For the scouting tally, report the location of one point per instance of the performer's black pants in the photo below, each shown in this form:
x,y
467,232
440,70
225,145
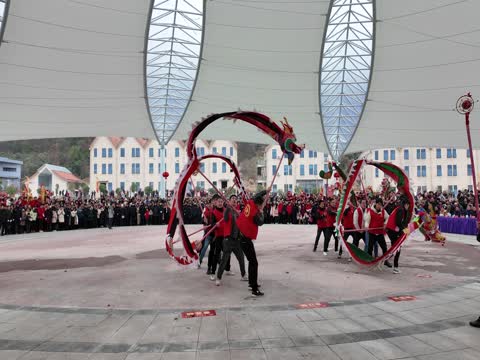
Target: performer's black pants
x,y
394,236
329,232
373,239
357,236
249,251
231,245
319,232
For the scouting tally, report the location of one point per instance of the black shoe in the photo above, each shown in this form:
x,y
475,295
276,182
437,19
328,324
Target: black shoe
x,y
257,293
475,323
387,264
314,249
209,272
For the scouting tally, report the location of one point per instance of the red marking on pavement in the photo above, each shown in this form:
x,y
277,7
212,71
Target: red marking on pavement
x,y
425,276
203,313
312,305
403,298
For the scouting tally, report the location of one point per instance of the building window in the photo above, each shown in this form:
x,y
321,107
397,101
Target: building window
x,y
469,170
122,185
376,172
224,168
439,170
310,154
150,153
110,186
385,155
468,153
202,167
421,171
177,168
135,168
287,170
302,154
201,185
302,170
177,152
95,152
290,187
453,189
407,170
274,187
274,153
439,153
310,170
110,152
451,153
104,168
392,154
376,154
122,168
274,169
110,169
122,152
231,150
224,151
315,169
104,152
135,152
406,155
214,167
95,169
214,150
150,168
314,155
452,170
421,154
9,169
200,151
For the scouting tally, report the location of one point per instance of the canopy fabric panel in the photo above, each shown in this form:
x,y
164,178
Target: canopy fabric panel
x,y
74,68
426,56
262,56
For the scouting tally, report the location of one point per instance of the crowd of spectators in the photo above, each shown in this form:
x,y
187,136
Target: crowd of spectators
x,y
71,211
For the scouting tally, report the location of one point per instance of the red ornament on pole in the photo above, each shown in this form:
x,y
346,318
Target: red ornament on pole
x,y
165,174
465,105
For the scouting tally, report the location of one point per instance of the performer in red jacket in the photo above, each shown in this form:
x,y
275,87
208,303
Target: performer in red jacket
x,y
376,219
320,216
248,222
330,222
397,221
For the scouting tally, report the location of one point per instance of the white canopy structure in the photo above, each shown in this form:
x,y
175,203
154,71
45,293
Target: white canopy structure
x,y
349,75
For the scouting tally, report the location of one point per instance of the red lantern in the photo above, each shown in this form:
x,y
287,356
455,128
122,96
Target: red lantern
x,y
165,174
337,175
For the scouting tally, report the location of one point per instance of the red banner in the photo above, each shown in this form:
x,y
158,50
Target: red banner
x,y
403,298
203,313
316,305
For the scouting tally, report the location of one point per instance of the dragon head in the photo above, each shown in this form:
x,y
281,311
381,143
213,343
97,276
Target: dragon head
x,y
287,141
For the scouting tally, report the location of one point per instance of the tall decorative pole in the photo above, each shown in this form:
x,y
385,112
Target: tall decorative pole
x,y
163,182
465,106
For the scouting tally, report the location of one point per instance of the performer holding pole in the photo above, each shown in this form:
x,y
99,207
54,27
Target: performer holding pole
x,y
465,106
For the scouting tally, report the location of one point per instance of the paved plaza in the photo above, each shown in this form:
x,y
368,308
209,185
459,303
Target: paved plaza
x,y
100,294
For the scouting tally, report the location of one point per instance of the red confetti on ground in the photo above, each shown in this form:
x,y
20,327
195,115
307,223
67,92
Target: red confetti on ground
x,y
203,313
425,276
316,305
403,298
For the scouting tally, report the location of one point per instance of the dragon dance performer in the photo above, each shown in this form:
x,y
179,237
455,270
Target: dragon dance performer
x,y
320,216
231,241
248,222
397,222
376,219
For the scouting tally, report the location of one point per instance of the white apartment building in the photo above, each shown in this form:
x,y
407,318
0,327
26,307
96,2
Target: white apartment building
x,y
429,169
119,162
303,173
